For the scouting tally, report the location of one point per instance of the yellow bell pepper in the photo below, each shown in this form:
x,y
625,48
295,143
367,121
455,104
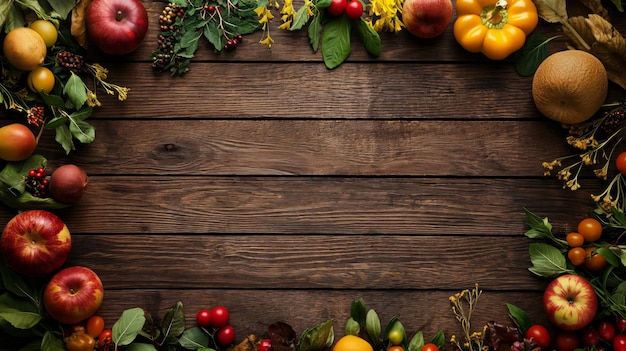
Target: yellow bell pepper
x,y
496,28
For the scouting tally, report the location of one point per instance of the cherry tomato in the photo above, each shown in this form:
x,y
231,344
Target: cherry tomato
x,y
620,163
95,326
590,229
430,347
337,7
47,30
606,330
105,338
203,318
395,336
593,260
540,334
620,324
619,343
265,345
40,79
567,341
396,348
226,335
589,337
575,239
577,255
354,9
219,317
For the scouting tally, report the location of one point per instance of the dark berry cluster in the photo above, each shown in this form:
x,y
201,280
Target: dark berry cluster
x,y
231,44
167,18
35,116
37,182
70,61
612,121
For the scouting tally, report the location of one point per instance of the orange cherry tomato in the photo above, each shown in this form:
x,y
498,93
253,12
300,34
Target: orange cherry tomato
x,y
430,347
95,326
590,229
593,260
396,348
105,338
577,255
575,239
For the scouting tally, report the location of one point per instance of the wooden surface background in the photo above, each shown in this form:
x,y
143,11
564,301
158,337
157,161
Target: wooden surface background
x,y
266,183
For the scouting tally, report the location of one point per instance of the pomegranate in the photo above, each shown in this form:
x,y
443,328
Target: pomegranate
x,y
68,183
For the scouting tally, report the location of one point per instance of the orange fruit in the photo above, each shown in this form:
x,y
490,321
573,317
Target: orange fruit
x,y
47,30
24,48
352,343
570,86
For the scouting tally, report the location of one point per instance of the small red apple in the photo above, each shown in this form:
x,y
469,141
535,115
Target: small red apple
x,y
116,27
35,242
73,294
427,18
570,302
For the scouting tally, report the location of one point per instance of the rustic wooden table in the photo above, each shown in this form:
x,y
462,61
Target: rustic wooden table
x,y
264,182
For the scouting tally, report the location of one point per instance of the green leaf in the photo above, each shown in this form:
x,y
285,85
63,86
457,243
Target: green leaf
x,y
21,320
417,342
609,255
300,19
531,55
82,131
5,10
322,4
352,327
372,325
63,136
75,90
174,321
52,100
336,42
318,338
214,35
52,342
14,19
14,283
62,7
547,260
539,228
439,339
315,32
358,311
520,318
194,339
369,37
139,346
126,329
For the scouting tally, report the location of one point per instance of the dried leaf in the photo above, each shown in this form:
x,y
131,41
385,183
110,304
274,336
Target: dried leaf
x,y
79,28
552,11
586,7
606,43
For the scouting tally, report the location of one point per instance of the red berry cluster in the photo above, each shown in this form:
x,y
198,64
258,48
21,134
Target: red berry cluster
x,y
168,17
352,8
35,116
215,323
231,44
37,182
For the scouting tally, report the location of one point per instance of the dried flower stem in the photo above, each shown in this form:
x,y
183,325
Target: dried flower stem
x,y
473,340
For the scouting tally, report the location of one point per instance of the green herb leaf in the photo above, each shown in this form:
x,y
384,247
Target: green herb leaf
x,y
358,311
63,136
14,283
82,131
21,320
174,321
126,329
547,260
62,7
352,327
539,228
369,37
5,9
439,339
609,255
75,90
372,325
336,42
300,19
51,342
322,4
531,55
520,318
417,342
194,339
140,346
315,32
318,338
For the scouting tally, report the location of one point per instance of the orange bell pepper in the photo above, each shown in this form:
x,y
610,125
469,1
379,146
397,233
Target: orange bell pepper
x,y
496,28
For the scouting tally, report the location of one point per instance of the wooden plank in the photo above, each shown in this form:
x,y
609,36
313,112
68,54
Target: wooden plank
x,y
412,262
311,147
275,205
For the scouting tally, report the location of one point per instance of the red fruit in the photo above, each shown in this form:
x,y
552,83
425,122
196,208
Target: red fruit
x,y
337,7
540,334
354,9
203,318
67,184
117,27
219,317
73,295
226,335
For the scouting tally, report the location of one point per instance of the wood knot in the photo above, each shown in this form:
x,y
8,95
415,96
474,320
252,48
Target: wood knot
x,y
170,147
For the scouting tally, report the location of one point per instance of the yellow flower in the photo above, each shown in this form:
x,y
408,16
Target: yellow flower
x,y
92,99
267,41
286,25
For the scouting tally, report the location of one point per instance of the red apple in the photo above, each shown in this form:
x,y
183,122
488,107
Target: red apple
x,y
116,27
35,242
73,294
427,18
570,302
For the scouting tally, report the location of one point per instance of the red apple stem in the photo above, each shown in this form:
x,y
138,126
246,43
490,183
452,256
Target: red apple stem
x,y
119,16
